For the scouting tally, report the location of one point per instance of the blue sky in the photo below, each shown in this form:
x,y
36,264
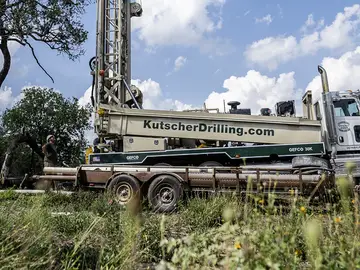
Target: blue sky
x,y
181,32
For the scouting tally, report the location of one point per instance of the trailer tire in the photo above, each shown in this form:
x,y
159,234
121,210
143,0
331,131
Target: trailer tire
x,y
125,188
164,193
309,161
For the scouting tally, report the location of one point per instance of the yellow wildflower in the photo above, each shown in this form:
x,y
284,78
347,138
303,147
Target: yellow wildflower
x,y
261,201
338,219
237,245
303,209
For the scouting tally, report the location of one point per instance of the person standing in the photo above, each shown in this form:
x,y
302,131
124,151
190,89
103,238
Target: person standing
x,y
49,149
50,160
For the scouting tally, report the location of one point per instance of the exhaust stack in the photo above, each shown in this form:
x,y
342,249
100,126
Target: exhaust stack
x,y
329,113
324,79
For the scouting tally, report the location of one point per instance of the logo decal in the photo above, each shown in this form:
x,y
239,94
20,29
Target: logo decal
x,y
344,126
130,158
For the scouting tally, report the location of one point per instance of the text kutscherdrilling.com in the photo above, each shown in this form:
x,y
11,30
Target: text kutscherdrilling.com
x,y
201,127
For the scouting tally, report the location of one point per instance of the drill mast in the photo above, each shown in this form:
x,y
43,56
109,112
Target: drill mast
x,y
112,64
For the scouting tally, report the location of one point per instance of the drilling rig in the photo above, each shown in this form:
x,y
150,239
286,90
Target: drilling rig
x,y
152,137
303,148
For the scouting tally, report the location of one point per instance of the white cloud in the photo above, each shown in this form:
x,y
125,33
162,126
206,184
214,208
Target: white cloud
x,y
255,91
154,99
7,98
343,73
184,22
179,62
310,21
272,51
266,51
266,19
90,135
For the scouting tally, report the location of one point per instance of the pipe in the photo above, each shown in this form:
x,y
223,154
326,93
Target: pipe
x,y
38,191
55,177
329,112
262,177
56,170
324,79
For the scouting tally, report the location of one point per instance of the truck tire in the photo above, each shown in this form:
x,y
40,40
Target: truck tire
x,y
212,164
309,161
162,164
124,187
164,193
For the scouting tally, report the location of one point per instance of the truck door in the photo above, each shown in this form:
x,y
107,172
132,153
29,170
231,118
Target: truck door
x,y
347,121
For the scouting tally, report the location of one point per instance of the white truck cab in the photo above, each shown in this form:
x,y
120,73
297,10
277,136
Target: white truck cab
x,y
339,114
346,117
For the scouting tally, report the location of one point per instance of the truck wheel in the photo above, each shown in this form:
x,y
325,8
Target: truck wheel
x,y
125,188
164,193
162,164
309,161
212,164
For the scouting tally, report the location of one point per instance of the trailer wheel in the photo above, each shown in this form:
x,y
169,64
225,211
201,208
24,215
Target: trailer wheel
x,y
125,188
164,193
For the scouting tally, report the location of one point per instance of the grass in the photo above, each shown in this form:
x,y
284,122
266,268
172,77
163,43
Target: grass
x,y
88,231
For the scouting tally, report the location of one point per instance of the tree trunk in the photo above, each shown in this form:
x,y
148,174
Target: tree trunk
x,y
7,59
4,44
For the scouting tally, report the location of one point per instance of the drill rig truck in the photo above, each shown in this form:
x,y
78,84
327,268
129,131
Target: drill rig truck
x,y
156,152
140,136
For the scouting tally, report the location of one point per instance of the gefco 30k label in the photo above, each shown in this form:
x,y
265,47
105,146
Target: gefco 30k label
x,y
202,127
301,149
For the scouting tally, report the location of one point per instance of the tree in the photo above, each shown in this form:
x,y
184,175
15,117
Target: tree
x,y
53,22
43,111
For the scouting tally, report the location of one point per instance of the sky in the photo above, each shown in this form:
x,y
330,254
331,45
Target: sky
x,y
186,53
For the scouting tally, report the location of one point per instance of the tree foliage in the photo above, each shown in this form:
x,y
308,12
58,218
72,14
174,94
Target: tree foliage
x,y
56,23
43,111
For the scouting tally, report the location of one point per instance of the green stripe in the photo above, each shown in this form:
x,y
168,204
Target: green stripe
x,y
259,151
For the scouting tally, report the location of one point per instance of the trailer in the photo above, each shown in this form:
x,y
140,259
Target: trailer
x,y
164,188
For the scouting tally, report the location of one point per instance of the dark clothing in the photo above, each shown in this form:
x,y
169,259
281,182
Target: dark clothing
x,y
50,159
96,149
